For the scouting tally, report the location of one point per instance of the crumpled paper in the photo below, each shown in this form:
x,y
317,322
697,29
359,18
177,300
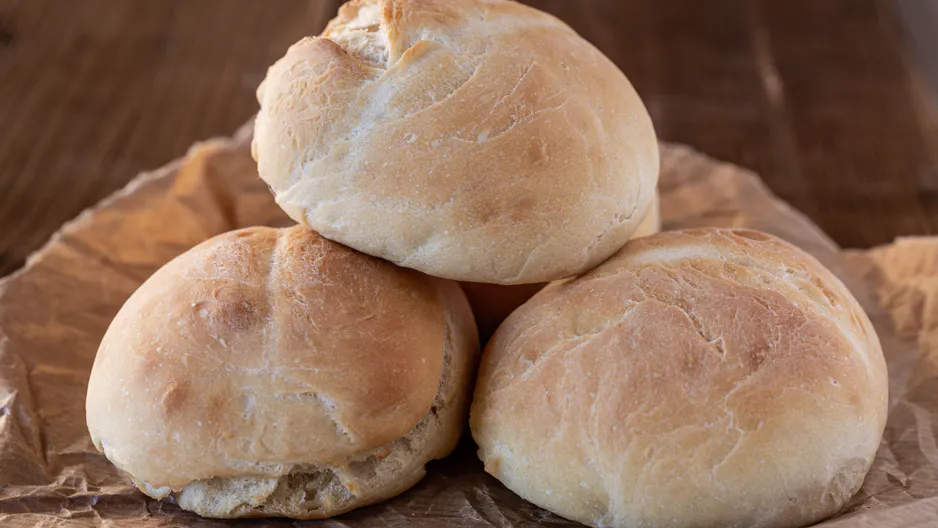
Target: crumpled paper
x,y
54,312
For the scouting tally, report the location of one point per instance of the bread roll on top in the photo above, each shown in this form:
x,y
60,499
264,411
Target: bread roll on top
x,y
697,378
477,140
274,372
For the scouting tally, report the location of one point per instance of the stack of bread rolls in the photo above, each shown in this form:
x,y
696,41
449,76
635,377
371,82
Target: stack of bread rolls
x,y
434,149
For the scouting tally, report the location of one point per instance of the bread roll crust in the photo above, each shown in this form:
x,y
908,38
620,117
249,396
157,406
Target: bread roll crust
x,y
651,224
266,353
476,140
492,303
697,378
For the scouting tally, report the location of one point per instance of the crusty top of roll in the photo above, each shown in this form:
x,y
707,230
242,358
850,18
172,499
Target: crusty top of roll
x,y
697,378
260,349
477,140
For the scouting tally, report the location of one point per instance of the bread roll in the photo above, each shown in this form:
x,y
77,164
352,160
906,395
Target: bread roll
x,y
492,303
697,378
273,372
476,140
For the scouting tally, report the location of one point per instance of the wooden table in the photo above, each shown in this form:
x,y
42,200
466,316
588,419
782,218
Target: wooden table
x,y
824,98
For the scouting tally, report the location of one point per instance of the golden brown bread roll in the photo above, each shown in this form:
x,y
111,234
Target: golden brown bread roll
x,y
697,378
274,372
476,140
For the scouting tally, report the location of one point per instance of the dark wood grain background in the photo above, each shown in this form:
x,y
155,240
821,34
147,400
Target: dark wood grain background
x,y
831,101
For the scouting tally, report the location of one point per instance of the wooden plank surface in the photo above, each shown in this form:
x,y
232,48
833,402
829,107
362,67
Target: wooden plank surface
x,y
823,98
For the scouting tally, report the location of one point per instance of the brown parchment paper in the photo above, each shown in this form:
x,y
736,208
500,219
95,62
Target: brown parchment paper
x,y
54,312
